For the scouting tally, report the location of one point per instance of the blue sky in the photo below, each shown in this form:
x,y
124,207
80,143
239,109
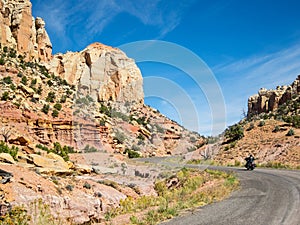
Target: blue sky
x,y
246,45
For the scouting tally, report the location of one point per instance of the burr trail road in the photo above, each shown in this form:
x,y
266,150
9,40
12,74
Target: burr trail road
x,y
266,196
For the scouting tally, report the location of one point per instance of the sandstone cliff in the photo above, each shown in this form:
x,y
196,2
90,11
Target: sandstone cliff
x,y
269,100
19,30
102,72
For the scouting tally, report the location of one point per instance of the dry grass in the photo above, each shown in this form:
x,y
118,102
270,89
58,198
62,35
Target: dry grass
x,y
188,189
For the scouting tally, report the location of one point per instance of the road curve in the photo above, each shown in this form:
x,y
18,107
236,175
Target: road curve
x,y
266,197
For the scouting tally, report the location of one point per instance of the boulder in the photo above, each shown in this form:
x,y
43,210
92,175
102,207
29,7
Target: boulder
x,y
7,158
23,141
50,163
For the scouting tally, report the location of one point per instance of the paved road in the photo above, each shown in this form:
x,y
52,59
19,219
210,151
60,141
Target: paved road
x,y
266,197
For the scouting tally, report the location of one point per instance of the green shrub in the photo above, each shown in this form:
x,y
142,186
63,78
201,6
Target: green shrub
x,y
70,187
2,61
33,82
12,87
5,96
12,53
131,153
39,90
20,74
5,149
87,185
290,133
251,126
54,113
24,80
50,97
105,110
234,132
261,123
63,99
7,80
58,106
50,83
88,149
45,108
276,129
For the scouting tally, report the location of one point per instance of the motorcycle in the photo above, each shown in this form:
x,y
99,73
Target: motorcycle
x,y
250,165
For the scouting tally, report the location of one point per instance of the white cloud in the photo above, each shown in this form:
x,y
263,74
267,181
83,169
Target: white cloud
x,y
245,77
265,69
96,15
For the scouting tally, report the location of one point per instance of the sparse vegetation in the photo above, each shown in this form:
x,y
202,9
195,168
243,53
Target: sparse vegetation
x,y
251,127
88,149
51,97
10,150
234,132
55,113
46,108
261,123
131,153
120,137
24,80
58,149
185,191
36,213
5,96
7,80
58,106
291,132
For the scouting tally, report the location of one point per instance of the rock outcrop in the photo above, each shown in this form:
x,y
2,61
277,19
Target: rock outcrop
x,y
102,72
269,100
19,30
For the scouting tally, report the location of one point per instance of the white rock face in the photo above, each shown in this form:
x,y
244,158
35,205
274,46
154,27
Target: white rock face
x,y
102,72
19,30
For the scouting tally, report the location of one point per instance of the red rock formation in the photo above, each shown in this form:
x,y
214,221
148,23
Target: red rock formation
x,y
269,100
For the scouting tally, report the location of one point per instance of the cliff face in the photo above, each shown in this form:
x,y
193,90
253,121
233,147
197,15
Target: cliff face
x,y
102,72
269,100
19,30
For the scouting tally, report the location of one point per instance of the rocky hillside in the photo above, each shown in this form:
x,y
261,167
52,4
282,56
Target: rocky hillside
x,y
69,122
271,132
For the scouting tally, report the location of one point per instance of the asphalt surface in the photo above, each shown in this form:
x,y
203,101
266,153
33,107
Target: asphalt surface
x,y
266,197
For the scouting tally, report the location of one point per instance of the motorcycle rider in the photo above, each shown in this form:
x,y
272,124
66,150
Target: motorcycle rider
x,y
250,159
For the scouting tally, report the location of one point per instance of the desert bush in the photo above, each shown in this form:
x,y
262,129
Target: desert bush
x,y
2,61
63,99
88,149
12,87
45,108
70,187
251,126
261,123
58,106
5,149
7,80
276,129
87,185
290,133
131,153
55,113
24,80
5,96
234,132
51,97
